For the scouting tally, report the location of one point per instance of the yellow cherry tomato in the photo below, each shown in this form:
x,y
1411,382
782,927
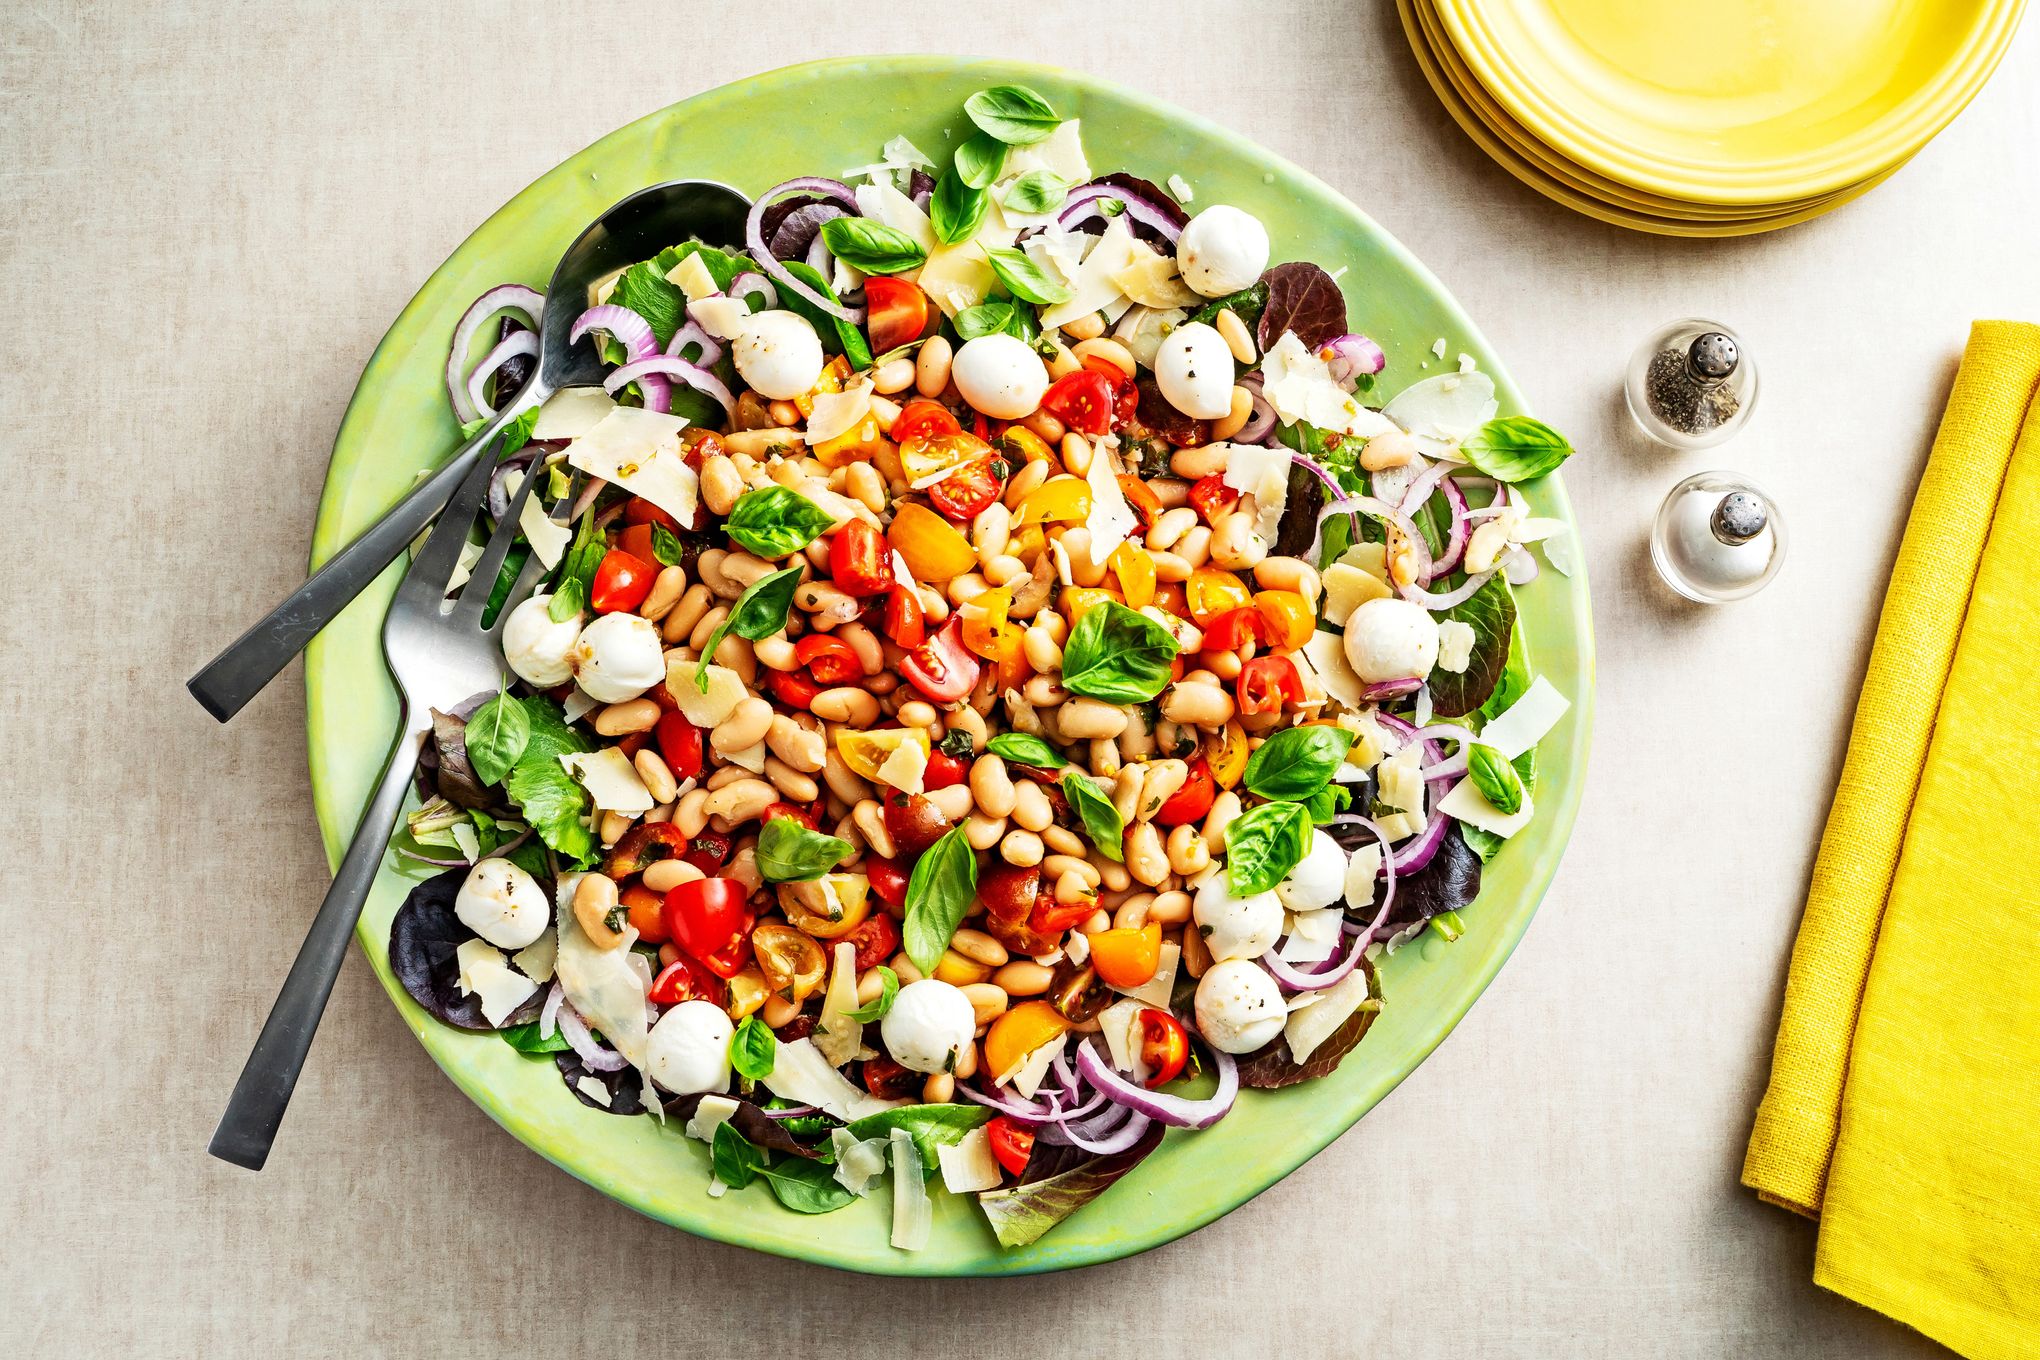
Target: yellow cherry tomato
x,y
934,550
1136,573
1018,1033
866,752
930,456
1212,592
1029,543
747,992
984,618
1026,445
958,971
1287,617
1127,956
1225,751
793,964
858,444
833,378
1078,601
1059,500
1008,656
828,907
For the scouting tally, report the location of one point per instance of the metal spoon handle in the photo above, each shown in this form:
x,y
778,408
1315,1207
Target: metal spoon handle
x,y
238,674
255,1110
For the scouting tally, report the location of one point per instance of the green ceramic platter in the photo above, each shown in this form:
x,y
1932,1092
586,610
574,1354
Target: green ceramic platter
x,y
818,119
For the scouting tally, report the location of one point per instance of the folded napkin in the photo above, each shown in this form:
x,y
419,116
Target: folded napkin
x,y
1904,1103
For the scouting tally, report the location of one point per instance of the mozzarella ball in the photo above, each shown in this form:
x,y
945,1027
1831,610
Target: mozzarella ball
x,y
1222,250
1239,1007
929,1026
537,649
1391,639
778,354
1000,375
618,657
1237,927
1194,370
1319,878
504,905
689,1049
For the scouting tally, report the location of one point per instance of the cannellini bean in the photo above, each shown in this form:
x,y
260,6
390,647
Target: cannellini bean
x,y
975,944
657,774
931,367
1164,779
747,725
1199,463
1044,655
614,824
1187,852
690,814
981,832
1170,526
894,375
1289,573
1021,848
664,875
992,787
869,819
866,487
1145,858
1224,808
594,900
1086,328
1085,719
632,715
1236,416
1233,331
846,784
799,747
954,801
1195,547
1198,705
1114,353
1045,425
1031,808
1236,543
741,800
1392,449
721,484
987,1001
846,704
1076,454
680,621
797,787
667,588
991,531
972,724
1024,977
1171,908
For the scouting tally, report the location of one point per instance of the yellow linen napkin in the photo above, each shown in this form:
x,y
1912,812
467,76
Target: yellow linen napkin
x,y
1904,1104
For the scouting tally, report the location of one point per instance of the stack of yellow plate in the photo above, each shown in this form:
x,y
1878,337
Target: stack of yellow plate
x,y
1706,117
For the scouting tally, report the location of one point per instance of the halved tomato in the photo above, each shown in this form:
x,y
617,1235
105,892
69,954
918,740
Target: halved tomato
x,y
924,419
899,312
966,492
1082,401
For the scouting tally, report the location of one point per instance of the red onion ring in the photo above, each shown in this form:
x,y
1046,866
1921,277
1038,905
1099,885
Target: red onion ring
x,y
1421,848
1014,1107
1175,1111
593,1056
639,341
514,345
800,228
427,859
792,1112
1349,357
693,334
743,285
836,191
503,297
1389,869
1083,204
666,365
549,1014
1382,690
585,499
1457,595
1119,1140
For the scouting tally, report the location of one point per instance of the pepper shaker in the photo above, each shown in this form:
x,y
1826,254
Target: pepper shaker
x,y
1717,537
1691,384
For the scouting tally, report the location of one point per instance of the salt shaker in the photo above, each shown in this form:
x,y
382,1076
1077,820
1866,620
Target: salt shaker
x,y
1691,384
1717,537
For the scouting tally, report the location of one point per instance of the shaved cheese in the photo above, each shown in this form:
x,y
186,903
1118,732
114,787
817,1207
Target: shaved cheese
x,y
1078,946
639,450
1371,558
837,413
1400,779
960,276
906,768
1309,1028
1532,530
1439,412
1263,474
1470,805
1180,187
484,973
1299,386
859,1161
1154,280
750,757
1526,721
571,412
464,837
549,539
882,202
593,1088
837,1035
611,780
1111,520
693,278
1061,557
968,1165
1467,363
1438,348
901,576
1093,289
579,705
802,1075
1327,653
1060,153
1400,826
725,691
1563,554
1363,871
1347,588
601,984
1313,936
1058,251
1156,990
1032,1070
912,1212
1455,646
1144,328
1119,1026
711,1113
535,960
721,317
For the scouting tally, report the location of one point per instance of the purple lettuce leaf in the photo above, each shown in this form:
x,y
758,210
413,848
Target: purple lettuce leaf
x,y
1021,1213
1272,1067
1302,298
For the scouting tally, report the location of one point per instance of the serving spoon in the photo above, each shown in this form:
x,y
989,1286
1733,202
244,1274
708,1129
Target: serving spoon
x,y
635,229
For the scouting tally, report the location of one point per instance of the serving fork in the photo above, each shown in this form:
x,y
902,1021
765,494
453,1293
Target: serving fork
x,y
440,654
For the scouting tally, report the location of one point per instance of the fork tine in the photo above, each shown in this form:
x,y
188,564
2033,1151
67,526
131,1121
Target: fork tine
x,y
474,596
527,580
433,567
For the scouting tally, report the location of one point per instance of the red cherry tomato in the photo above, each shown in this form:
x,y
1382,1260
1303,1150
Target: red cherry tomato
x,y
860,560
831,661
906,623
1125,392
887,1080
888,880
792,688
707,852
924,419
1233,629
636,540
967,491
899,312
1082,400
621,582
686,979
1189,803
804,815
942,668
710,920
1012,1144
944,771
1141,499
1266,683
877,940
1212,497
1164,1046
638,510
646,912
914,823
680,744
1052,918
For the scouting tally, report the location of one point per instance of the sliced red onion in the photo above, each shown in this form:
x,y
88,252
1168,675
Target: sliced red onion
x,y
1083,204
427,859
1119,1140
1389,869
625,326
585,499
514,345
1520,566
693,334
834,190
819,259
1418,850
549,1014
792,1112
514,297
1382,690
1175,1111
666,365
1012,1106
593,1056
1457,595
1350,357
743,285
1455,764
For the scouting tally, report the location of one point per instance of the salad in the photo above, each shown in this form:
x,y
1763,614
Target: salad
x,y
1009,660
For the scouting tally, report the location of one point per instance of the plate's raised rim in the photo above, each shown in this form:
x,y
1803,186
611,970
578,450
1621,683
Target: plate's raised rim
x,y
330,532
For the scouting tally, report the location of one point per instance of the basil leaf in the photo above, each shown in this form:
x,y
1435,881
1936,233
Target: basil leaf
x,y
1263,844
1037,191
1495,778
871,246
1013,114
956,209
759,613
1328,802
525,1039
930,1125
773,522
1023,278
737,1162
939,892
753,1050
1486,843
1247,305
1297,762
666,546
1101,819
1023,749
987,318
644,289
1515,448
790,853
1118,654
496,735
980,159
848,340
577,571
890,981
806,1187
515,435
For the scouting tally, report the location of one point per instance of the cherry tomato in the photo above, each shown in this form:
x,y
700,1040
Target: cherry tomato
x,y
641,847
684,979
914,822
831,661
638,510
646,909
859,559
1125,392
1127,956
680,744
1052,918
1266,683
1233,629
1189,803
708,851
878,939
791,688
621,582
899,312
944,771
1212,497
906,623
888,880
967,491
1140,497
637,541
942,668
885,1078
709,920
1164,1046
793,812
1082,400
1012,1144
793,964
924,419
